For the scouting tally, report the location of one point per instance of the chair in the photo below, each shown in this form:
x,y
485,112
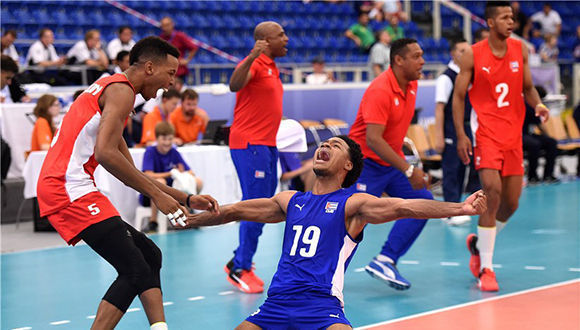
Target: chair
x,y
554,127
432,133
335,125
573,130
143,211
428,156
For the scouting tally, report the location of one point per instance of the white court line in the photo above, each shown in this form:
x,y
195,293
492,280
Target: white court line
x,y
60,322
574,269
91,317
136,309
497,266
196,298
449,263
23,328
358,270
409,262
168,303
549,286
535,268
225,293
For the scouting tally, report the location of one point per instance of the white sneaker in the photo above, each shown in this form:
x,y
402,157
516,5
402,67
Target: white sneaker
x,y
457,220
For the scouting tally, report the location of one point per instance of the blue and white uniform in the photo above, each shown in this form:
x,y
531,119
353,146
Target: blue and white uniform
x,y
306,291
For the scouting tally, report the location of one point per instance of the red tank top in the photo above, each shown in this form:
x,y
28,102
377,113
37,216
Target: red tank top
x,y
67,171
496,95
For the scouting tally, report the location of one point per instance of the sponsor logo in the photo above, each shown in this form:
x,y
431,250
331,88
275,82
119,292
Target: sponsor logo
x,y
396,101
270,72
361,187
486,69
477,160
299,207
335,315
331,207
255,313
259,174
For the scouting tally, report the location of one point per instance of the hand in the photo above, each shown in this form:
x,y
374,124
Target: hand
x,y
178,141
419,179
259,47
475,204
357,41
464,150
183,61
170,207
204,202
543,112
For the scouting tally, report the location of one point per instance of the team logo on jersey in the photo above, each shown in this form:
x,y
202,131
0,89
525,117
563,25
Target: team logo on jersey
x,y
361,187
515,66
259,174
270,72
299,206
396,101
486,69
477,160
331,207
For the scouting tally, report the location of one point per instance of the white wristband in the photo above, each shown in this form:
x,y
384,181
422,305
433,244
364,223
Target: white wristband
x,y
409,171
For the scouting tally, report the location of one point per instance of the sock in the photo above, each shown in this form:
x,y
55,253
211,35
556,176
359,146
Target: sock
x,y
384,258
485,243
499,225
159,326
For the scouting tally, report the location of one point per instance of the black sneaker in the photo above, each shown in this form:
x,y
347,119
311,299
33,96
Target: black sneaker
x,y
533,181
551,180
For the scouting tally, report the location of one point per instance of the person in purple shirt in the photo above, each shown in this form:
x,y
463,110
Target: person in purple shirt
x,y
159,163
182,42
297,173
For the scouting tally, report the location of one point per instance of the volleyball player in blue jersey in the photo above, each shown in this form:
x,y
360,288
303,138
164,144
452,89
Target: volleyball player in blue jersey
x,y
323,229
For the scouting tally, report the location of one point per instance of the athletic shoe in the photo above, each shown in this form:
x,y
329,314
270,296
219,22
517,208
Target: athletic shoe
x,y
474,261
551,180
487,281
250,273
457,220
387,272
244,282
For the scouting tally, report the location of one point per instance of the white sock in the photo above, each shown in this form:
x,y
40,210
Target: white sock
x,y
159,326
485,243
499,225
384,258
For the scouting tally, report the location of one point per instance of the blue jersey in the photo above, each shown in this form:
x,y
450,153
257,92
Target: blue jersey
x,y
317,247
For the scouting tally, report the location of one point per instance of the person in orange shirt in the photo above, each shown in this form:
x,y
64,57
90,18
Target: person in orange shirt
x,y
160,113
188,119
46,109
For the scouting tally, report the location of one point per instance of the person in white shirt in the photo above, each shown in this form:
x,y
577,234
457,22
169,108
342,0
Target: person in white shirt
x,y
446,138
7,43
549,19
319,76
123,42
379,56
89,51
42,51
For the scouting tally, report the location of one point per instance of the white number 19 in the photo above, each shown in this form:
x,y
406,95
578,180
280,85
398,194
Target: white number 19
x,y
310,237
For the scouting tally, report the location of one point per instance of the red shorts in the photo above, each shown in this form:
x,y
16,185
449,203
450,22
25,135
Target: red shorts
x,y
80,214
507,162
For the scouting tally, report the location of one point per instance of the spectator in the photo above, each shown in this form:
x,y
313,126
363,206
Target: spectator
x,y
182,42
10,90
121,64
7,43
549,20
160,162
160,113
536,36
380,53
522,25
90,53
319,76
42,51
361,33
480,34
576,48
394,29
534,143
549,49
47,109
123,42
188,119
392,8
298,174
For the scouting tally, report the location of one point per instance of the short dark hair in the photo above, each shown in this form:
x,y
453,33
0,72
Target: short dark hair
x,y
151,49
170,93
356,157
478,33
121,55
189,94
399,47
77,93
453,43
123,28
318,60
42,31
8,64
12,33
491,7
164,128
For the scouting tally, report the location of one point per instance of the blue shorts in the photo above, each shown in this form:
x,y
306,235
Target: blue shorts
x,y
313,313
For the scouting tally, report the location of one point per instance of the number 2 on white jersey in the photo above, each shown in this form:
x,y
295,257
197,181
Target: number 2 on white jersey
x,y
310,237
503,89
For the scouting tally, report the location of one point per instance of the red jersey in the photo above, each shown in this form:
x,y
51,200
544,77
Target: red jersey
x,y
496,96
386,104
258,109
184,44
67,171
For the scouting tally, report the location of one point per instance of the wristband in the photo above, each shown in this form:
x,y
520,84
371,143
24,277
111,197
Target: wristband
x,y
409,171
542,105
187,200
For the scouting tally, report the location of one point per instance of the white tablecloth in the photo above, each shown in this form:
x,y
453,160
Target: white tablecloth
x,y
212,164
17,132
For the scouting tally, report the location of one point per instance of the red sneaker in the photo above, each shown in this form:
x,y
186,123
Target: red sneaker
x,y
255,277
474,261
244,282
487,281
